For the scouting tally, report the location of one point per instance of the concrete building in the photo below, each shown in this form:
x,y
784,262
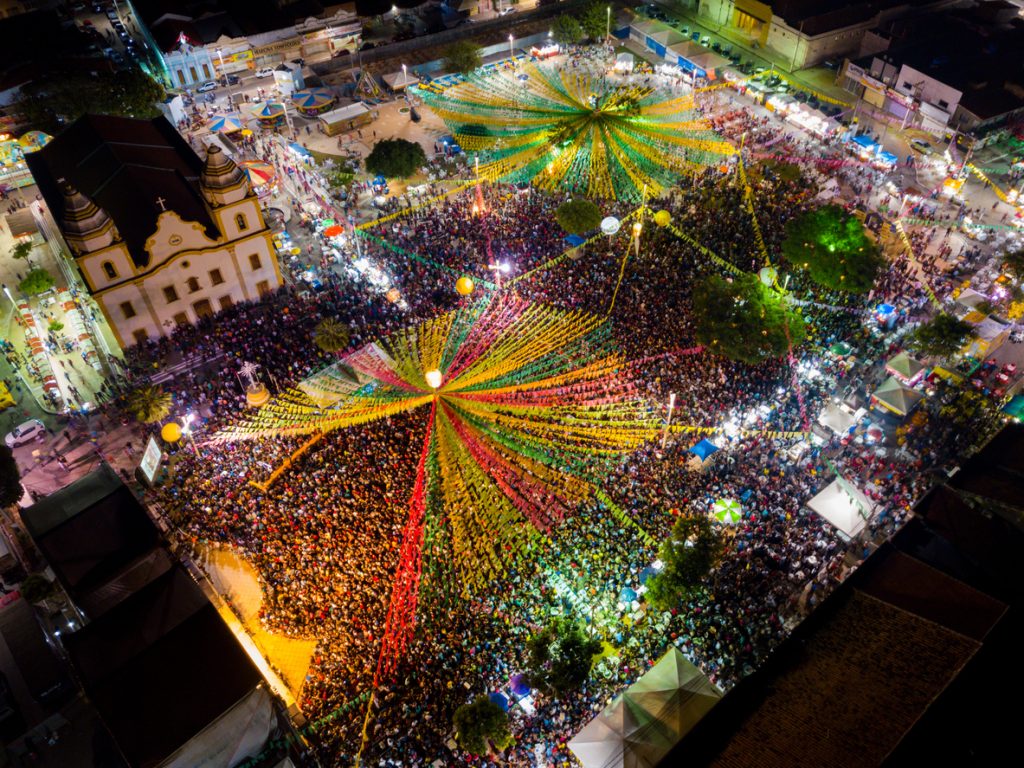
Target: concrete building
x,y
959,71
159,236
197,41
808,32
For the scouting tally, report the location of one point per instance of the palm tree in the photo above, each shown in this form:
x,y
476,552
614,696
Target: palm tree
x,y
330,335
149,403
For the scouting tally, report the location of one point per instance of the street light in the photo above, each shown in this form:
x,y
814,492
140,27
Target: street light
x,y
498,269
186,429
511,51
433,378
608,27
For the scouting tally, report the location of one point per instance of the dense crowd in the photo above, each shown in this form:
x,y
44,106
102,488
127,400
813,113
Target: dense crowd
x,y
325,537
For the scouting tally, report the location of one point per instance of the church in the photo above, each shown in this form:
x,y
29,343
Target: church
x,y
159,236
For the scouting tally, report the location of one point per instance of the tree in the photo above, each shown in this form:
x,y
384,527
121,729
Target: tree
x,y
578,216
330,335
745,320
462,56
481,727
10,478
942,336
62,96
22,250
834,249
594,20
566,30
36,588
1013,262
149,403
37,281
560,657
54,326
692,549
395,158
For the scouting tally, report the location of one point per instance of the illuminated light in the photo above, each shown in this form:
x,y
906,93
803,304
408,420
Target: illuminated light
x,y
433,378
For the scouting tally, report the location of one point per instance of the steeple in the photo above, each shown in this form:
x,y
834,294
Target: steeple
x,y
85,225
222,181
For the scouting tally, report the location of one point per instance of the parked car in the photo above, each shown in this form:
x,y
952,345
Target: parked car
x,y
920,145
229,80
209,85
24,433
265,72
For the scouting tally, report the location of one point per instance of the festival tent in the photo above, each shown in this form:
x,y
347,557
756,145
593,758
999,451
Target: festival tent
x,y
313,101
639,727
704,448
838,418
844,506
895,397
225,124
905,368
398,81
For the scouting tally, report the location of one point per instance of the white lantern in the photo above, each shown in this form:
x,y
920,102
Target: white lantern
x,y
433,378
768,275
610,225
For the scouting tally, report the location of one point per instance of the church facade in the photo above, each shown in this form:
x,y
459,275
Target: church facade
x,y
159,236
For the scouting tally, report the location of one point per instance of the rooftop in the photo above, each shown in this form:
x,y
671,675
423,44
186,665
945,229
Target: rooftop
x,y
124,166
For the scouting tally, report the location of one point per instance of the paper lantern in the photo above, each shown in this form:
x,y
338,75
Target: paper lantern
x,y
663,218
610,225
433,378
171,432
768,275
464,285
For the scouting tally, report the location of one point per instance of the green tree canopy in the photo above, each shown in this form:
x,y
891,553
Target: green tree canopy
x,y
36,588
692,549
59,98
149,403
560,657
1013,262
395,158
942,336
566,30
462,56
481,727
22,250
832,246
578,216
330,335
745,320
10,478
36,281
594,20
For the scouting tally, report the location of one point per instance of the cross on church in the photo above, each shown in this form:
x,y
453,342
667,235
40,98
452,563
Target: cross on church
x,y
160,201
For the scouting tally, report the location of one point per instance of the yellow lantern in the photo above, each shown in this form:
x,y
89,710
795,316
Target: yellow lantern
x,y
663,218
171,432
464,285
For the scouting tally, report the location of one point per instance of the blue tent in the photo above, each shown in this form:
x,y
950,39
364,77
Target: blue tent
x,y
299,149
704,448
575,240
646,574
865,141
500,699
450,144
627,595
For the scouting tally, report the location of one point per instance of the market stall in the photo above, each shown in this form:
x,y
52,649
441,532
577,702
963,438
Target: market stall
x,y
346,118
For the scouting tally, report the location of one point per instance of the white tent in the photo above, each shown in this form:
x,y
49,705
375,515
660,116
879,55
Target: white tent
x,y
844,506
639,727
398,81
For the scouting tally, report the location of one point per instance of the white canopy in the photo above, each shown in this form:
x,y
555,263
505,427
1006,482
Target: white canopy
x,y
639,727
343,114
398,81
845,507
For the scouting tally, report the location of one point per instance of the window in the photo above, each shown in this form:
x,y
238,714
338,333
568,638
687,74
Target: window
x,y
206,71
171,294
141,337
908,85
128,310
181,78
263,287
192,70
181,319
109,271
203,308
226,302
254,261
193,284
241,223
943,103
216,278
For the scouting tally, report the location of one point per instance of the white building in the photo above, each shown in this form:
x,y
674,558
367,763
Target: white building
x,y
159,236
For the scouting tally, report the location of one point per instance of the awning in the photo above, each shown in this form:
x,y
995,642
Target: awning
x,y
703,449
904,367
398,81
844,506
895,397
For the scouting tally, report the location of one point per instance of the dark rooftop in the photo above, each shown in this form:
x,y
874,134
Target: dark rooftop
x,y
242,17
816,17
161,667
98,539
124,165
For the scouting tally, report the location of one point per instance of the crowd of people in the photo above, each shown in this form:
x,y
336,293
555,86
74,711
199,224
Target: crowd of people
x,y
325,537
